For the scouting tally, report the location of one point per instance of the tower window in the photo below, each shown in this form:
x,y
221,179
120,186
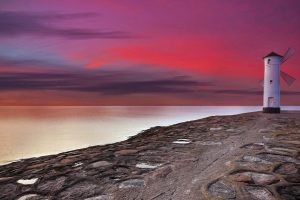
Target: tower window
x,y
271,81
269,61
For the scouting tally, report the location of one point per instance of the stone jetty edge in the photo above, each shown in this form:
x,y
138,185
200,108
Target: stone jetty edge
x,y
245,156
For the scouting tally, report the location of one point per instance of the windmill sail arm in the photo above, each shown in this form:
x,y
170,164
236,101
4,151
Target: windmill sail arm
x,y
287,78
287,55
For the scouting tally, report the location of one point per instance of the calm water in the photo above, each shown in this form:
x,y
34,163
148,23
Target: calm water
x,y
35,131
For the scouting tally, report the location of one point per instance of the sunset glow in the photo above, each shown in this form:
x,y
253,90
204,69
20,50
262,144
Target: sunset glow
x,y
144,52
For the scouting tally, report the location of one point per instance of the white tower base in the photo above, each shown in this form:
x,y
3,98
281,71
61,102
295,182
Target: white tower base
x,y
271,110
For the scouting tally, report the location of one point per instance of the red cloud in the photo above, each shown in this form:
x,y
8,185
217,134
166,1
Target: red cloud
x,y
96,63
206,56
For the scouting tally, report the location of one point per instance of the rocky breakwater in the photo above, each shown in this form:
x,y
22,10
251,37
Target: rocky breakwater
x,y
246,156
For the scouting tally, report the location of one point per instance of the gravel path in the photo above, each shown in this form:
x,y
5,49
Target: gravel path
x,y
246,156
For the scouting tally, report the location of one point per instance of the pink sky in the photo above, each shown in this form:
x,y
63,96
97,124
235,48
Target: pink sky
x,y
90,52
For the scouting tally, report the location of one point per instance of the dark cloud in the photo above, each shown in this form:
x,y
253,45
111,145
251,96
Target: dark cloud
x,y
71,16
174,85
120,83
290,92
103,82
116,83
252,92
31,81
40,63
21,23
239,92
15,62
85,34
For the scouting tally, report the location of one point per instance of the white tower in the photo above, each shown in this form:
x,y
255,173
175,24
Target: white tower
x,y
272,63
272,74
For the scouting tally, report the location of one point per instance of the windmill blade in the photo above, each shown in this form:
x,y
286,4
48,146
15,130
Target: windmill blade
x,y
287,78
287,55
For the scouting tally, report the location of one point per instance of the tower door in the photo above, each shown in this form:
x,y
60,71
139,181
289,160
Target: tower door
x,y
271,102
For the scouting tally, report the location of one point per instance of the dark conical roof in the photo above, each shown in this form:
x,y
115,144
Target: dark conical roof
x,y
273,54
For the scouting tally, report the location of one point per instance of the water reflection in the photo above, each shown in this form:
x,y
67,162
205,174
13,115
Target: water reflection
x,y
35,131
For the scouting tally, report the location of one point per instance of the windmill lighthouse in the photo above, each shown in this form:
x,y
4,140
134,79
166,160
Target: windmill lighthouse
x,y
272,74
